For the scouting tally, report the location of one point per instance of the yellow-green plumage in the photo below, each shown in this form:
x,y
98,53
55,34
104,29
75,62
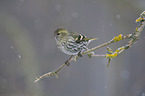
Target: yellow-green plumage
x,y
71,43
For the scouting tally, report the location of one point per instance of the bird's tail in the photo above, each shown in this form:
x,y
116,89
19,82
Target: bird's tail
x,y
93,39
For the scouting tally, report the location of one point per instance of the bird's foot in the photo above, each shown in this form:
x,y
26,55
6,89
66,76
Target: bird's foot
x,y
67,63
80,54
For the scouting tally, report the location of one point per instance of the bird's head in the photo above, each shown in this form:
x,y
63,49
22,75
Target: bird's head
x,y
60,34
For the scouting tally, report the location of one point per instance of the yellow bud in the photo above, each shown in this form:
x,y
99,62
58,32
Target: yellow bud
x,y
138,19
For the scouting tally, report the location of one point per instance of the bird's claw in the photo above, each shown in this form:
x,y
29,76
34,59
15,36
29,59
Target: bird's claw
x,y
80,54
67,63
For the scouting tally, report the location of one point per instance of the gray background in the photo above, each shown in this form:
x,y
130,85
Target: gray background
x,y
27,49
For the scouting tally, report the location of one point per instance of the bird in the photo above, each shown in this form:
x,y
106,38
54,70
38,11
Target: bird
x,y
71,43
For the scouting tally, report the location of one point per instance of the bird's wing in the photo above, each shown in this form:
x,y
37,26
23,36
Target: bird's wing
x,y
79,38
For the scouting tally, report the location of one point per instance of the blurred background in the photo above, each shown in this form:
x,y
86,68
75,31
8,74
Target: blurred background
x,y
27,49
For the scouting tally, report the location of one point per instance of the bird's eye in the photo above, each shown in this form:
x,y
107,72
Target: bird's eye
x,y
58,33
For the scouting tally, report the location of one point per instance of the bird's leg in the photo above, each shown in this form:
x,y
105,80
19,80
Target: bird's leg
x,y
67,61
80,54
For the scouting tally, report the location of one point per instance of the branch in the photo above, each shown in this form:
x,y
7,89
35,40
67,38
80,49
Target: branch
x,y
134,38
110,54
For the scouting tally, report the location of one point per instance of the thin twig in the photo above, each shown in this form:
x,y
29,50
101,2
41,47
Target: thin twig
x,y
98,55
